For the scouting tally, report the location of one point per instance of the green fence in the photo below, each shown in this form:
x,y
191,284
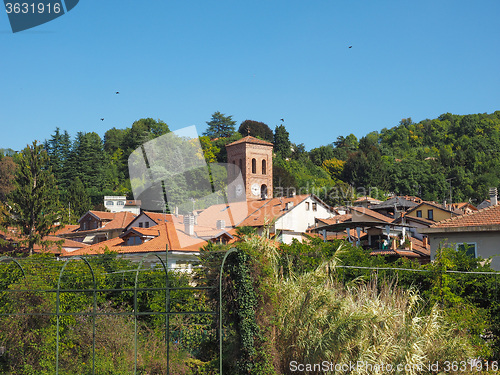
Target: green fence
x,y
62,291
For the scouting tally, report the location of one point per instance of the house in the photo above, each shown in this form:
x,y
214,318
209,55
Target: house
x,y
136,243
395,205
98,226
463,208
366,201
478,231
380,234
9,242
430,211
120,203
288,217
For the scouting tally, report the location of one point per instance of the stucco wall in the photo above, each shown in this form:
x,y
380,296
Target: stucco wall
x,y
487,243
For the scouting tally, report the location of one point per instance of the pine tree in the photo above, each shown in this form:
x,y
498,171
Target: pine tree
x,y
282,144
220,126
33,204
58,148
78,199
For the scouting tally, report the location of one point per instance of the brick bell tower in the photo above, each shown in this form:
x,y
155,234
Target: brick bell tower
x,y
254,157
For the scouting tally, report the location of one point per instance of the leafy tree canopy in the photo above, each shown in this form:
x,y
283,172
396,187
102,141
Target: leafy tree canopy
x,y
256,129
220,126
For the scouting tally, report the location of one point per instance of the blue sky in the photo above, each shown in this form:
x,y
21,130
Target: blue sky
x,y
182,60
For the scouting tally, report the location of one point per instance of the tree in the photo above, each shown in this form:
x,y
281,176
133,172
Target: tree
x,y
7,172
33,203
78,199
88,160
220,126
282,144
256,129
58,149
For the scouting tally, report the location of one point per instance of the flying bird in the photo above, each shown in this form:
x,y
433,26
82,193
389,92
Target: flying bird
x,y
350,46
283,120
102,119
119,91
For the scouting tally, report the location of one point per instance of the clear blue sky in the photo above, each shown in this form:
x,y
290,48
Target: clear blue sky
x,y
182,60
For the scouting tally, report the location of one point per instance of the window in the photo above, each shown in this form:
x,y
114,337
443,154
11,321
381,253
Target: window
x,y
134,240
254,166
470,248
430,214
109,203
120,203
307,206
146,224
263,192
263,166
315,206
140,225
419,213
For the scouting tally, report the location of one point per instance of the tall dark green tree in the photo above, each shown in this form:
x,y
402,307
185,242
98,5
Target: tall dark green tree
x,y
88,160
78,200
256,129
220,126
282,144
58,149
33,205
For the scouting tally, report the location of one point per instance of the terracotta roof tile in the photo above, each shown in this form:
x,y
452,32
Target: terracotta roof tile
x,y
272,209
336,219
116,220
486,216
370,213
168,235
250,139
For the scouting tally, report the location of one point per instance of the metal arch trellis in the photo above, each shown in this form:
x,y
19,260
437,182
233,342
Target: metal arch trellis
x,y
164,263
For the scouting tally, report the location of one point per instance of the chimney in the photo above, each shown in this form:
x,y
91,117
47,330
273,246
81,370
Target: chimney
x,y
221,224
425,241
493,196
394,244
176,211
189,225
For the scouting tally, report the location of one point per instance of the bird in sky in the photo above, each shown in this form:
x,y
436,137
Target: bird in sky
x,y
350,46
102,119
283,120
118,92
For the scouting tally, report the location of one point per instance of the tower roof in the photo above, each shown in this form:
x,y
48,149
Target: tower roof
x,y
250,139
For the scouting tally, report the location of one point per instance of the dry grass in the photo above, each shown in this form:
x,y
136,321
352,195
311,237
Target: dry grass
x,y
321,320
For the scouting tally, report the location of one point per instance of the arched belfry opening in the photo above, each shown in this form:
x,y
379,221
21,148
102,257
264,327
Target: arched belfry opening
x,y
263,191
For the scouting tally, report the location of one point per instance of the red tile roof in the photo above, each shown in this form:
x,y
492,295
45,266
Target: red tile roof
x,y
168,235
486,216
272,209
336,219
115,220
250,139
371,214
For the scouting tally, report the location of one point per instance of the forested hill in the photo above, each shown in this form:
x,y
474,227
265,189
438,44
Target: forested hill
x,y
453,156
430,157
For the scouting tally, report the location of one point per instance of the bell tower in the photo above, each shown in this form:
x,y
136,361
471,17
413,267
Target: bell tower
x,y
254,157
